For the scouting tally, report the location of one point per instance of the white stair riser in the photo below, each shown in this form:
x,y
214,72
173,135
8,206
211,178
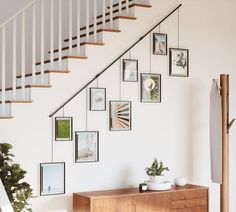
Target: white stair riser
x,y
7,110
20,95
39,80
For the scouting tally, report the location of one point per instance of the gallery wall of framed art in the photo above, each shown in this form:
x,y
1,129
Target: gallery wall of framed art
x,y
110,101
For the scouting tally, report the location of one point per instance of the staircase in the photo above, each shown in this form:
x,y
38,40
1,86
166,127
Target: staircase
x,y
42,38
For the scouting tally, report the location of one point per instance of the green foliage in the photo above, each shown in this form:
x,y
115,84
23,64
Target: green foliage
x,y
12,176
156,168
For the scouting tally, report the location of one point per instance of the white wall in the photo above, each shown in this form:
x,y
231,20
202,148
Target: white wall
x,y
175,131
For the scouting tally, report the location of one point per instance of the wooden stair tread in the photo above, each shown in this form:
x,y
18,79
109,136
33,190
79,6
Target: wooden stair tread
x,y
28,86
6,117
92,32
124,8
125,17
63,58
81,44
45,72
17,101
105,30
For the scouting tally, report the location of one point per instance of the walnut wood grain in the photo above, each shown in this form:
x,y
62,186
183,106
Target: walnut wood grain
x,y
192,198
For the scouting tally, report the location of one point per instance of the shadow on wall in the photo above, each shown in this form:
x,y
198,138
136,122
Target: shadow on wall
x,y
55,204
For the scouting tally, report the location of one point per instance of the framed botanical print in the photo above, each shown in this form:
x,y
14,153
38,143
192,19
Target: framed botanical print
x,y
52,178
150,88
159,44
63,128
86,146
120,116
179,62
130,70
97,99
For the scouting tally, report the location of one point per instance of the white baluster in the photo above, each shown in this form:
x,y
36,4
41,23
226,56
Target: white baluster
x,y
103,13
70,27
60,34
3,69
33,42
111,13
95,20
87,20
51,32
42,39
23,54
127,6
78,27
120,6
14,58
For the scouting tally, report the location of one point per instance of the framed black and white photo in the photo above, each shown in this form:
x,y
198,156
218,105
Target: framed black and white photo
x,y
63,128
86,146
97,99
130,70
52,178
179,62
120,116
150,88
159,44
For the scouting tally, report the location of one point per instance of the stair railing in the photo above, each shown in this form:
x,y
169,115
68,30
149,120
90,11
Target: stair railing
x,y
29,38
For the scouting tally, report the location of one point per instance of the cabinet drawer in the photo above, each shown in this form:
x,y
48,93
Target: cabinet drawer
x,y
195,209
103,205
189,203
185,195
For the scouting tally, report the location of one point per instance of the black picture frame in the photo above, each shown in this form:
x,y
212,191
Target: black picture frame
x,y
91,107
154,86
183,62
122,121
56,129
154,40
42,180
124,70
77,148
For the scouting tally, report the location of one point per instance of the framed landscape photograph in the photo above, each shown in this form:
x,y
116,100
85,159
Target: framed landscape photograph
x,y
86,146
97,99
120,116
130,70
63,128
179,62
52,178
150,88
159,44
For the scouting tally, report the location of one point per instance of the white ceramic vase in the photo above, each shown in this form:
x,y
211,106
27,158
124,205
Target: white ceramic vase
x,y
180,181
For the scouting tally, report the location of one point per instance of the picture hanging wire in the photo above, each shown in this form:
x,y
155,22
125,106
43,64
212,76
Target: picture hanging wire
x,y
159,28
97,82
63,112
86,110
120,75
178,28
150,53
130,54
52,147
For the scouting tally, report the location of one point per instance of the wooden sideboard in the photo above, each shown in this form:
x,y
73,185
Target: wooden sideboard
x,y
189,198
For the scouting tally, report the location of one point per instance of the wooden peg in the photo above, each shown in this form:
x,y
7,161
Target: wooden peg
x,y
230,124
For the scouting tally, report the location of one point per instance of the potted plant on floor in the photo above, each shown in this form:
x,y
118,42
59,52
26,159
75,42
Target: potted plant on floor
x,y
155,172
12,176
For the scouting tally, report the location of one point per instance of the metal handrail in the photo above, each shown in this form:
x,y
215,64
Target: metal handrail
x,y
99,74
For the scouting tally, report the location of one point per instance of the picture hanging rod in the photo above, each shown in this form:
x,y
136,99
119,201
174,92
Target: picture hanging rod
x,y
99,74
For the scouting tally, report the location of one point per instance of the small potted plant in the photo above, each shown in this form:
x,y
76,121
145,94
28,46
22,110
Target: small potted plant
x,y
155,172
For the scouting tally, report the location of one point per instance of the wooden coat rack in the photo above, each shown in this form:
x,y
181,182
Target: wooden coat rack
x,y
226,125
